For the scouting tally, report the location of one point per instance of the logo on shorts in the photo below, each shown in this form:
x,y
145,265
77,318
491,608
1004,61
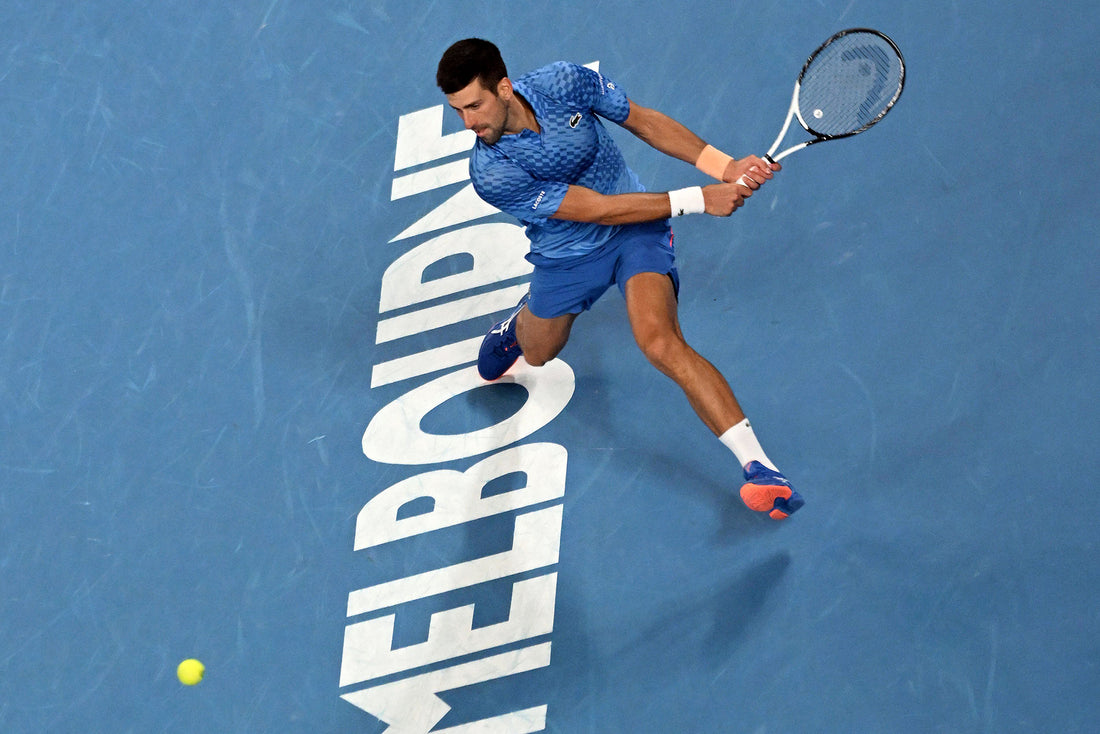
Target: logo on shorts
x,y
575,120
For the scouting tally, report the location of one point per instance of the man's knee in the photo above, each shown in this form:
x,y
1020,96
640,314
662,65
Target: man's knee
x,y
537,355
543,341
665,350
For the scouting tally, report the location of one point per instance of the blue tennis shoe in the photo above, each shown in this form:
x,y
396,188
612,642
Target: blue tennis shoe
x,y
769,491
500,347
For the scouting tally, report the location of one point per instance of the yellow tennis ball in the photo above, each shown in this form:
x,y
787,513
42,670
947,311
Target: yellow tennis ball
x,y
190,672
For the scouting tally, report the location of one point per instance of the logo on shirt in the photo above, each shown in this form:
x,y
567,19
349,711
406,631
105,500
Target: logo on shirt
x,y
575,120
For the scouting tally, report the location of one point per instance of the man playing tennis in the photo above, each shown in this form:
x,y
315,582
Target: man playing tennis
x,y
543,156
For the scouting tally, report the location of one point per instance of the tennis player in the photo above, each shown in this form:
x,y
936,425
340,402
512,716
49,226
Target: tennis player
x,y
543,156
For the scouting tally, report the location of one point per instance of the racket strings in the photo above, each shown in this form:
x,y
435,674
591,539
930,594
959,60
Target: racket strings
x,y
849,84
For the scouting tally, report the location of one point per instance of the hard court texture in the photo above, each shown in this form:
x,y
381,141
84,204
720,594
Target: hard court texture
x,y
242,283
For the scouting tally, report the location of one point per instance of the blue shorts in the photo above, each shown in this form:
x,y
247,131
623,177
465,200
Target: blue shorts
x,y
572,284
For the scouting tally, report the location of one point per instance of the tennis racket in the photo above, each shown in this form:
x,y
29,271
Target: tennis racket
x,y
847,85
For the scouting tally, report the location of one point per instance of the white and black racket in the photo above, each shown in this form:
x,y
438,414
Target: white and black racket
x,y
847,85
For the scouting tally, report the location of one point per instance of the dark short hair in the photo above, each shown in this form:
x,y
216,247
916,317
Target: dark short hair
x,y
469,59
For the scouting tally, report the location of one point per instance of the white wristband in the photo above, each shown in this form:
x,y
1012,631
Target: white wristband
x,y
687,201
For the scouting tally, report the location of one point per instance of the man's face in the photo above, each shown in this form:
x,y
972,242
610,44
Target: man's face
x,y
481,110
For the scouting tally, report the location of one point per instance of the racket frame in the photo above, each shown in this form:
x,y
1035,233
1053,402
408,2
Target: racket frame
x,y
796,112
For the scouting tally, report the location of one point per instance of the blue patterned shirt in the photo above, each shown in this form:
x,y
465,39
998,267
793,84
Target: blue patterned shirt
x,y
526,175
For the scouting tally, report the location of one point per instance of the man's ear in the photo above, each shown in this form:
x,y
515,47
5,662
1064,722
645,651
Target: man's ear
x,y
504,89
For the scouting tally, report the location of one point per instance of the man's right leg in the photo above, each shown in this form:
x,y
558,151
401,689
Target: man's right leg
x,y
560,289
523,333
542,339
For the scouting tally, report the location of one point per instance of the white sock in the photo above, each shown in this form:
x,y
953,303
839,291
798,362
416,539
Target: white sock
x,y
742,442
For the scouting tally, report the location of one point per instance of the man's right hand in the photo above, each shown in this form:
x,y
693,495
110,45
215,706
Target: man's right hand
x,y
724,199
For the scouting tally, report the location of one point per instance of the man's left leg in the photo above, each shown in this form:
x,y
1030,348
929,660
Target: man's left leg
x,y
651,307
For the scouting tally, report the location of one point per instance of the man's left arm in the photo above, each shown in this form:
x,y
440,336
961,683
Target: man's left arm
x,y
674,139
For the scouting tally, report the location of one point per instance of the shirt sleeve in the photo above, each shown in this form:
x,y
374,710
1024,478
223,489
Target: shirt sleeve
x,y
505,185
585,87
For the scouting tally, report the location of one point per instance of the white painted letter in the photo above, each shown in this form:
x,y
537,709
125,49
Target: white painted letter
x,y
368,652
452,312
498,251
535,544
412,706
420,139
394,435
457,495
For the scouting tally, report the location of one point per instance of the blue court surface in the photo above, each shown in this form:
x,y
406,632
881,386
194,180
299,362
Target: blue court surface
x,y
242,282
